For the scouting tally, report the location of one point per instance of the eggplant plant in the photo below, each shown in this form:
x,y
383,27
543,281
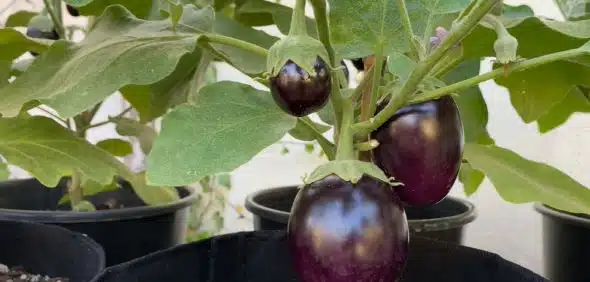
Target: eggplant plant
x,y
413,126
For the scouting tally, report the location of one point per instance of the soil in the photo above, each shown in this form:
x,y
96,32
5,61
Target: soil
x,y
18,274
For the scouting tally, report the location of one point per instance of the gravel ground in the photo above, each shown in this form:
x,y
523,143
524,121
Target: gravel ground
x,y
18,274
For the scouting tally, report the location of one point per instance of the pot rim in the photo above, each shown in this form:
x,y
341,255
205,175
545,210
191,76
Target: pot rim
x,y
89,242
550,212
53,216
431,224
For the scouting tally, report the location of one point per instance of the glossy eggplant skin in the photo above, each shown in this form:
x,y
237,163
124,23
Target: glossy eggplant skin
x,y
421,146
36,33
299,93
344,232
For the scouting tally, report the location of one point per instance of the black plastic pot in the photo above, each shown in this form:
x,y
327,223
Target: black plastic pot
x,y
263,256
50,250
566,245
444,221
125,233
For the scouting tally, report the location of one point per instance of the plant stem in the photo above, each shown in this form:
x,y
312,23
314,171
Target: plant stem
x,y
345,148
120,115
323,30
407,23
298,24
456,34
53,115
327,146
55,18
226,40
75,190
516,67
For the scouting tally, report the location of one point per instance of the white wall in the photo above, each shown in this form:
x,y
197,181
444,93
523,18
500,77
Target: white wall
x,y
512,231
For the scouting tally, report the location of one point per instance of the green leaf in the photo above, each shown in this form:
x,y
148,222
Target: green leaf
x,y
13,44
245,61
256,12
154,100
140,8
175,13
472,107
301,132
120,50
91,187
356,25
348,170
519,180
309,148
230,124
153,195
49,151
117,147
84,206
4,172
574,9
576,101
20,18
145,134
535,91
517,12
5,72
470,178
326,114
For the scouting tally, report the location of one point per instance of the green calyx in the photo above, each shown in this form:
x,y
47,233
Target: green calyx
x,y
506,45
41,22
350,171
300,49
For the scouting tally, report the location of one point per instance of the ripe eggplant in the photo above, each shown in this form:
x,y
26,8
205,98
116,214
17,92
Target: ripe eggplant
x,y
421,146
299,93
344,232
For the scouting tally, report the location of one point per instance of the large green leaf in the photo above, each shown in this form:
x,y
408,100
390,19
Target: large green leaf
x,y
575,101
152,101
228,125
13,44
243,60
356,25
120,50
470,178
472,106
259,13
20,18
519,180
302,132
535,91
144,134
140,8
117,147
49,151
574,9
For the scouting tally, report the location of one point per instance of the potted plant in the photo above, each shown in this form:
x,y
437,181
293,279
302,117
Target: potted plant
x,y
76,184
416,117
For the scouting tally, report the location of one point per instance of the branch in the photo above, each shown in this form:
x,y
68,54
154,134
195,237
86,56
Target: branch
x,y
120,115
516,67
226,40
456,34
408,28
56,19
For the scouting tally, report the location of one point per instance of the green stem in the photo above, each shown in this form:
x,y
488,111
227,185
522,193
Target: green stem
x,y
328,147
456,34
120,115
407,23
516,67
75,190
379,59
323,29
221,39
298,21
345,148
367,146
496,24
55,18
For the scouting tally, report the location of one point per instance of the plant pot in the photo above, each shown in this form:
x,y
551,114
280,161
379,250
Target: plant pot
x,y
444,221
566,245
125,233
263,256
49,250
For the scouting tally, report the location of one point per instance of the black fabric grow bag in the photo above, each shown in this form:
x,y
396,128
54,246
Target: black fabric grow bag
x,y
50,250
262,256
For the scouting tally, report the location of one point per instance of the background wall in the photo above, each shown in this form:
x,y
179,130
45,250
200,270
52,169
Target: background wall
x,y
513,231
